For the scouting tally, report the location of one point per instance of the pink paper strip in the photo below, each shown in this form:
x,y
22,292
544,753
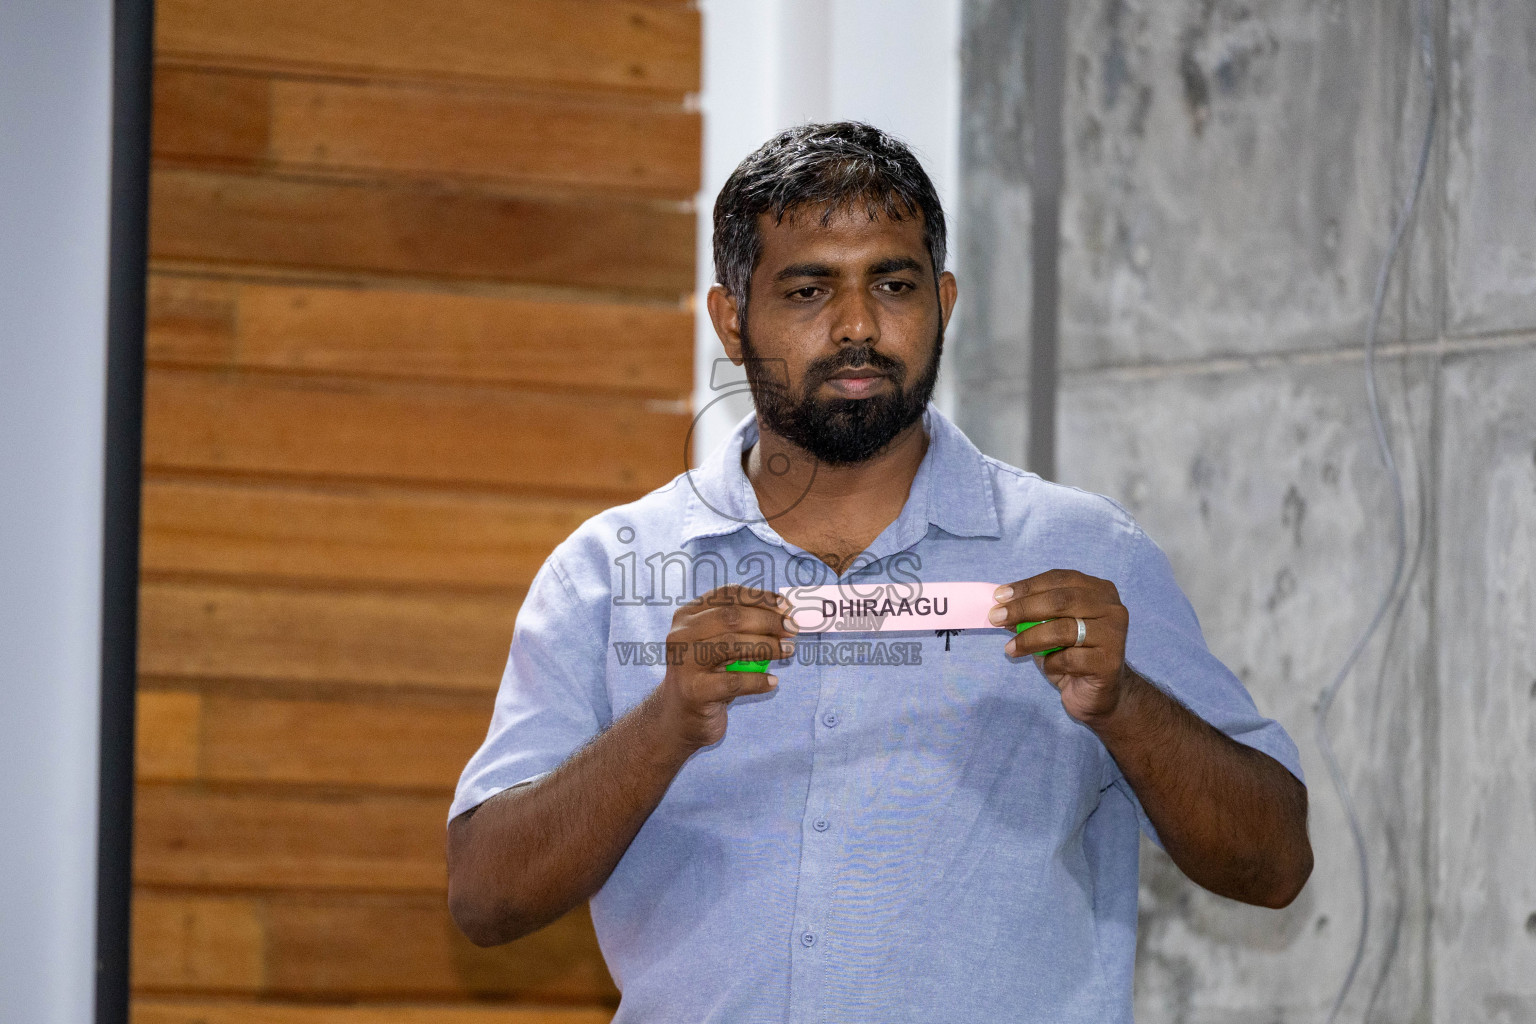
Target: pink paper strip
x,y
886,607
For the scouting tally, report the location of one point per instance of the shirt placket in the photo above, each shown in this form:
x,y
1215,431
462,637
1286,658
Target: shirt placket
x,y
821,847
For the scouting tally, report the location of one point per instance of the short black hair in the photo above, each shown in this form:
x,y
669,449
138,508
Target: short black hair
x,y
833,166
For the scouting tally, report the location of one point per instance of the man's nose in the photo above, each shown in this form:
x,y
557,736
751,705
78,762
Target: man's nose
x,y
854,320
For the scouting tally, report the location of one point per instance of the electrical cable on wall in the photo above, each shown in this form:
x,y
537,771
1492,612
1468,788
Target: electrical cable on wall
x,y
1330,693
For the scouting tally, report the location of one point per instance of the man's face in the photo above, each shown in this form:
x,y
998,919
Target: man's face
x,y
850,311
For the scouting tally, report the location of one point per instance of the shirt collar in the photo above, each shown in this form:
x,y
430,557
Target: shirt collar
x,y
952,490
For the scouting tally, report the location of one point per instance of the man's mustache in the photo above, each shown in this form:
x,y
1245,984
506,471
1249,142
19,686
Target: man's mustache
x,y
854,357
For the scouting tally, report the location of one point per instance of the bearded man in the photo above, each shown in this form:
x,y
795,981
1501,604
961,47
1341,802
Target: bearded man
x,y
951,834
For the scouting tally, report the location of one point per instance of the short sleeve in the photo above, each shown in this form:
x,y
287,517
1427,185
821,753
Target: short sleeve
x,y
1165,646
552,698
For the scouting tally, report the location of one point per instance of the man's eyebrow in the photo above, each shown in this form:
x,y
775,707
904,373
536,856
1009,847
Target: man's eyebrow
x,y
894,264
805,270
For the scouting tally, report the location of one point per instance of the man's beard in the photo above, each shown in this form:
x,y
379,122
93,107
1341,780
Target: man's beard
x,y
840,431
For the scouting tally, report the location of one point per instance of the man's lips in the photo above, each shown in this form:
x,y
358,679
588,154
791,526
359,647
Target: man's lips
x,y
856,382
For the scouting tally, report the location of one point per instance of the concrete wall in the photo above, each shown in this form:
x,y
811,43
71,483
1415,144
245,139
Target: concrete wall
x,y
987,350
1232,170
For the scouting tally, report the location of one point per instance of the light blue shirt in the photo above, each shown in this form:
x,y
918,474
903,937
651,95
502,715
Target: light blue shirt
x,y
910,828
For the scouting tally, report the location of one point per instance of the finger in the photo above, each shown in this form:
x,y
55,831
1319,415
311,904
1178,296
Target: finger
x,y
1049,580
1057,579
725,648
712,622
1069,662
1078,662
1078,602
728,598
724,686
1051,635
1008,591
739,594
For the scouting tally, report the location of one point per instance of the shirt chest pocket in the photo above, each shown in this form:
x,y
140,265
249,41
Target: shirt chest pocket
x,y
1039,759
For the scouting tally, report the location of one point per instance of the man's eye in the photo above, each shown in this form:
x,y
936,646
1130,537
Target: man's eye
x,y
808,292
896,286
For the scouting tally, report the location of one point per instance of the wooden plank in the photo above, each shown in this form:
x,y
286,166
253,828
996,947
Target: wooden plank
x,y
413,949
196,943
207,631
168,734
238,219
368,535
420,335
192,321
477,134
160,1011
339,741
335,946
396,432
187,835
217,117
205,115
652,47
353,741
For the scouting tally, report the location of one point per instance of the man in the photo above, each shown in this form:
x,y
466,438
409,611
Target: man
x,y
945,832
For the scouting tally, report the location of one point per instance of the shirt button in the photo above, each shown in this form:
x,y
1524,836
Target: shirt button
x,y
829,719
807,939
821,824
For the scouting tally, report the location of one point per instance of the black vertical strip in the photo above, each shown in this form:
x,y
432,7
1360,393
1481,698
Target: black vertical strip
x,y
1047,75
132,55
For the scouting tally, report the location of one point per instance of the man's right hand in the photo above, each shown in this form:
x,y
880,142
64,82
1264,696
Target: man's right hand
x,y
731,623
531,853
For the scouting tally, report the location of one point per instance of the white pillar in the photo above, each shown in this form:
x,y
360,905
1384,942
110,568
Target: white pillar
x,y
55,123
776,63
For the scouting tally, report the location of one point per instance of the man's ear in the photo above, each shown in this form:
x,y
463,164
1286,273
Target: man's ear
x,y
724,315
949,291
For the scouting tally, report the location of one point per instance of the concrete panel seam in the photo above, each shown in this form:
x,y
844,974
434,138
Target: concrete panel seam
x,y
1347,355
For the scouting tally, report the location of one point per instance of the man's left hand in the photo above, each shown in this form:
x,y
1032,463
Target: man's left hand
x,y
1092,676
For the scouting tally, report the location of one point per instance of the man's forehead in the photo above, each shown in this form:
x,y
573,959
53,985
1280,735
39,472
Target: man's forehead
x,y
856,231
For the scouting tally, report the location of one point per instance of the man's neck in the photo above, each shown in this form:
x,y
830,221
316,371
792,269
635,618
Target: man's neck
x,y
835,512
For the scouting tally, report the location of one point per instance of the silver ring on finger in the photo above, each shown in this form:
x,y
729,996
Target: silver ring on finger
x,y
1082,633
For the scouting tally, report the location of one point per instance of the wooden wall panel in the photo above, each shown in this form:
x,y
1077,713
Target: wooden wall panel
x,y
420,335
362,430
197,631
364,741
413,949
211,116
168,735
604,43
361,535
255,220
485,135
347,127
197,943
419,307
335,946
239,839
